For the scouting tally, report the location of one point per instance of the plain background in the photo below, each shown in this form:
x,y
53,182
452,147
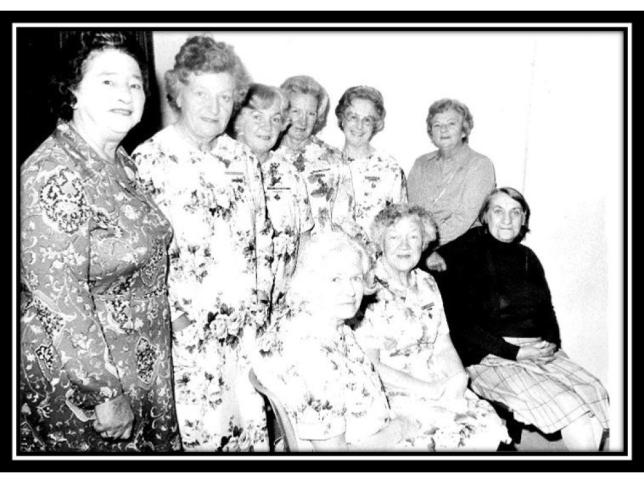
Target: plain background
x,y
548,111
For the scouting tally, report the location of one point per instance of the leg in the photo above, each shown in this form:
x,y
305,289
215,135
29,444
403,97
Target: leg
x,y
580,435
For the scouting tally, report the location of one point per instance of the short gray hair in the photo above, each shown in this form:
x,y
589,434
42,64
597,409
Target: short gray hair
x,y
392,214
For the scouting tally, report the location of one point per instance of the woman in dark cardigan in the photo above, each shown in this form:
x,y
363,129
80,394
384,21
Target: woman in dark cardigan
x,y
504,328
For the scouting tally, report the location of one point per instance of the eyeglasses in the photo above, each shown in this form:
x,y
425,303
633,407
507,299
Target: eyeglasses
x,y
352,118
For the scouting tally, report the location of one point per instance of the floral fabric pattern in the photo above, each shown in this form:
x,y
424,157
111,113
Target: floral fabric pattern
x,y
328,385
405,328
220,278
328,180
289,212
378,181
93,271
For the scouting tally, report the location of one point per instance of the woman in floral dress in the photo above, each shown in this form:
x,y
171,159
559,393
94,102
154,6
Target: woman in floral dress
x,y
405,334
258,124
95,362
327,384
327,174
378,179
220,281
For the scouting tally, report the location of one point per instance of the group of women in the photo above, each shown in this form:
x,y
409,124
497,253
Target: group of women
x,y
235,238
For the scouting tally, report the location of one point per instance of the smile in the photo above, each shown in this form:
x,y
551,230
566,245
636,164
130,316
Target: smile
x,y
122,112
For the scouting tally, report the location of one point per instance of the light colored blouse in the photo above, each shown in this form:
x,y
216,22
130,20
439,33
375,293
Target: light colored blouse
x,y
451,190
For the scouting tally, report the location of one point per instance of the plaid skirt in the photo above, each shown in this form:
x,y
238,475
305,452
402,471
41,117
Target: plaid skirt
x,y
548,395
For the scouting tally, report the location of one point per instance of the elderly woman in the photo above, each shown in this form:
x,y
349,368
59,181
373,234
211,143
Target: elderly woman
x,y
95,362
377,178
260,121
507,332
326,173
451,182
405,334
220,280
325,381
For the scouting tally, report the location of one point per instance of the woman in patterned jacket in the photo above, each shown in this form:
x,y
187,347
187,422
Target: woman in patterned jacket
x,y
96,369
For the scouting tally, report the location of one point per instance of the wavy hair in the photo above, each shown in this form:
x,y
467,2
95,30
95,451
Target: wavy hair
x,y
443,105
261,96
367,93
76,54
304,84
392,214
203,55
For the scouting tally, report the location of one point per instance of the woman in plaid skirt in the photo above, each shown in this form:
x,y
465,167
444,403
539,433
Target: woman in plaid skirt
x,y
504,327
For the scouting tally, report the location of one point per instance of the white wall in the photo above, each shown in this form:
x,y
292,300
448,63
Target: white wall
x,y
547,110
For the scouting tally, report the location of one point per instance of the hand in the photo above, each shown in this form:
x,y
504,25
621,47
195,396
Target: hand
x,y
114,418
542,351
436,263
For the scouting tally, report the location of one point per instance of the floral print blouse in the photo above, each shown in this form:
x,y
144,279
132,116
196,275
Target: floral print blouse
x,y
407,329
326,383
328,180
289,212
221,254
95,319
378,181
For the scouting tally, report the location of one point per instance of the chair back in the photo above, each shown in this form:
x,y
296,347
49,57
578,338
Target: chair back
x,y
283,420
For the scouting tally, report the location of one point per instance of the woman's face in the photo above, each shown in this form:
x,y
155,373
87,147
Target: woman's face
x,y
504,218
259,128
206,103
110,97
403,245
447,129
339,285
359,122
303,114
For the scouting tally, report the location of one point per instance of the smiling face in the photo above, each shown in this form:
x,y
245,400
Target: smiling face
x,y
359,122
110,97
259,128
403,245
447,129
339,285
504,218
206,103
303,113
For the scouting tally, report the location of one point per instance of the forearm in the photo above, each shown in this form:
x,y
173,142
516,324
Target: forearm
x,y
399,380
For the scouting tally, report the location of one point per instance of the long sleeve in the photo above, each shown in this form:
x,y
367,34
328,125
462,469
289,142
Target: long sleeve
x,y
60,325
477,181
464,289
263,232
546,313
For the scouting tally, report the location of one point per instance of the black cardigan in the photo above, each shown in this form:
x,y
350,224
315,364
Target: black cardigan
x,y
493,289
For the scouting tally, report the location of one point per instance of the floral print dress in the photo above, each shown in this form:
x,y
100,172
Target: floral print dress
x,y
289,212
220,278
328,182
95,319
405,328
378,181
328,386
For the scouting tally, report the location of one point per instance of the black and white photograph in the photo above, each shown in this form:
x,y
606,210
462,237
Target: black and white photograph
x,y
363,241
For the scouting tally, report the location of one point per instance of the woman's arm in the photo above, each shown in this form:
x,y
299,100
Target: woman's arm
x,y
61,326
386,439
396,379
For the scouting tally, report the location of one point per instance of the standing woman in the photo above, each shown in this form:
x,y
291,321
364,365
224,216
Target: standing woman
x,y
327,174
378,180
260,121
95,365
220,280
452,182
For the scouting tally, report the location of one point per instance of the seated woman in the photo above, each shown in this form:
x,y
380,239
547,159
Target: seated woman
x,y
327,384
405,334
507,333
